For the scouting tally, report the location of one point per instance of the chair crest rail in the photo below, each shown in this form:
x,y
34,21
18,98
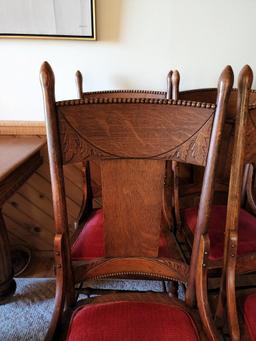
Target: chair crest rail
x,y
135,100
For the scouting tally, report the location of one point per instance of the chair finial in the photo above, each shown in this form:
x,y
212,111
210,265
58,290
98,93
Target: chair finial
x,y
46,75
169,85
225,83
245,77
175,77
79,82
175,84
169,76
226,78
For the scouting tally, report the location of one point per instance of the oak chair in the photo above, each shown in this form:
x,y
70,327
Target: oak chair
x,y
92,191
94,235
171,205
92,169
240,240
90,243
188,194
132,138
190,180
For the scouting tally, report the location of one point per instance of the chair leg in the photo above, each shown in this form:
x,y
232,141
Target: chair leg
x,y
80,290
165,287
172,288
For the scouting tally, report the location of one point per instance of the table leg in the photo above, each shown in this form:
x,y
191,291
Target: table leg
x,y
7,283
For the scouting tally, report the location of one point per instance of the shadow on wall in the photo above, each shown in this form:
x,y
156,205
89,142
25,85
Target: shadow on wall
x,y
122,82
108,19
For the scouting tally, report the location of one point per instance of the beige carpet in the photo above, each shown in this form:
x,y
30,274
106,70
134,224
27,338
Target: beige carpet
x,y
28,313
26,316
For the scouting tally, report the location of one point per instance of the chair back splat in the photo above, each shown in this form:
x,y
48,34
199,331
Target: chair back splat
x,y
132,138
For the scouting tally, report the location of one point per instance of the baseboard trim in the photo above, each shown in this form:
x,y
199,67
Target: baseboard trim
x,y
22,128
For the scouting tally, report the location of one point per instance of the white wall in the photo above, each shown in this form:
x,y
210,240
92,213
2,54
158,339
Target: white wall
x,y
138,42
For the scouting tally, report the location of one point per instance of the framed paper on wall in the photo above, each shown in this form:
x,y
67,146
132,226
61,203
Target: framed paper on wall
x,y
48,19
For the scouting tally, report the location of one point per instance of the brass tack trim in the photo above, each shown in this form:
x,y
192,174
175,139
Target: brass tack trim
x,y
134,273
152,92
135,100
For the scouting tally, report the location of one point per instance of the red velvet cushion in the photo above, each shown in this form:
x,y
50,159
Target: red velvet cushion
x,y
246,232
164,249
131,321
90,242
250,315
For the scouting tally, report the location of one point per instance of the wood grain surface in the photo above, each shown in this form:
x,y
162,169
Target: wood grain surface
x,y
132,206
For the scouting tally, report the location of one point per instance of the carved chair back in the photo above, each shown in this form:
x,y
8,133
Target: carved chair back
x,y
132,138
91,170
193,176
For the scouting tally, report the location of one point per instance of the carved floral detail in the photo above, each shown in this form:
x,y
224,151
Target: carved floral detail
x,y
75,148
195,149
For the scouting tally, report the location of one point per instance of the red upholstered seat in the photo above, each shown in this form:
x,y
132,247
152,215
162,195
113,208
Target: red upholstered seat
x,y
250,315
246,231
90,242
131,321
164,249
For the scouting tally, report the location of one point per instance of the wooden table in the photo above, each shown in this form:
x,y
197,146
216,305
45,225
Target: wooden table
x,y
19,158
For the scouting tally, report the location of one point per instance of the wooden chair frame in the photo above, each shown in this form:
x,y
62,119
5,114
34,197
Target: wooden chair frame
x,y
65,146
88,192
247,197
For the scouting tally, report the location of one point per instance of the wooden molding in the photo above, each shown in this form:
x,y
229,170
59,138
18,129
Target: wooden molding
x,y
22,128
